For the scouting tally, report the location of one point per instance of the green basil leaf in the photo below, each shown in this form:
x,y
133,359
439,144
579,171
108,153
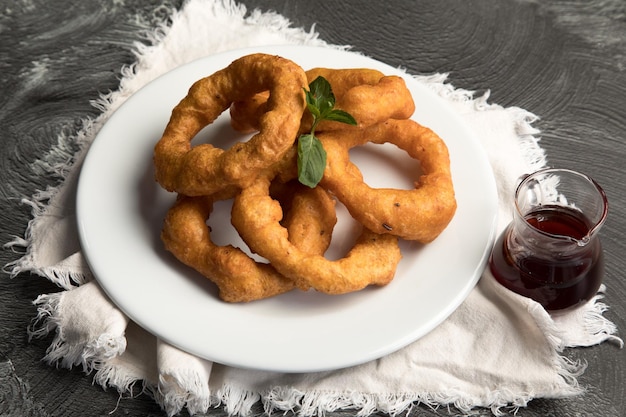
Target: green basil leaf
x,y
340,116
322,92
325,107
311,160
320,101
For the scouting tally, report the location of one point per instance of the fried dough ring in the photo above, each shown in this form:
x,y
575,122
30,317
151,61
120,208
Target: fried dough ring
x,y
203,169
310,219
420,214
372,260
367,94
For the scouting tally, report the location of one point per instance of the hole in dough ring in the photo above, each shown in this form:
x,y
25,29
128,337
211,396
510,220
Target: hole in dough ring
x,y
203,169
419,214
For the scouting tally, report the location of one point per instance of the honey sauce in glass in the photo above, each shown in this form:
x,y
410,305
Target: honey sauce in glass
x,y
551,251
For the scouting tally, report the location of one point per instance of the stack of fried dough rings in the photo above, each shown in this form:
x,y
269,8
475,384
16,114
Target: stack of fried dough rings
x,y
281,220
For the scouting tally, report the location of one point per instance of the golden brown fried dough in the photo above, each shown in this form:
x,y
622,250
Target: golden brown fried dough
x,y
419,214
283,221
204,169
239,278
367,94
372,260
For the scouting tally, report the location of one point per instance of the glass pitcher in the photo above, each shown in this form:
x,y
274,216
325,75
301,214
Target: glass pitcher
x,y
551,251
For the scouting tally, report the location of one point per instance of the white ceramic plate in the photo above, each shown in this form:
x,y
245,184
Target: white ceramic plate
x,y
120,210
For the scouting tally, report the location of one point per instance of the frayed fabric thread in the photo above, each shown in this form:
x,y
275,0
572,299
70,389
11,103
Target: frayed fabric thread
x,y
87,354
318,403
182,389
598,325
237,401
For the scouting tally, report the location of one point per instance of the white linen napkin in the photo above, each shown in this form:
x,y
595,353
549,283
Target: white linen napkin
x,y
471,360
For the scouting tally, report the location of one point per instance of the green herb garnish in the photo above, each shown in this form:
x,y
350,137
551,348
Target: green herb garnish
x,y
320,101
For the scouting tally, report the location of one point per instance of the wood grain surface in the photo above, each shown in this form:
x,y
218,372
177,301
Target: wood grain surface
x,y
564,61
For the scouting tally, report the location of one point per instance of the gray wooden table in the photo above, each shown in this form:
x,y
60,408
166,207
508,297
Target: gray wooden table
x,y
564,61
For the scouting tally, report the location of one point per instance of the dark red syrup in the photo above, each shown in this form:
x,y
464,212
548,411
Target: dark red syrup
x,y
557,281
